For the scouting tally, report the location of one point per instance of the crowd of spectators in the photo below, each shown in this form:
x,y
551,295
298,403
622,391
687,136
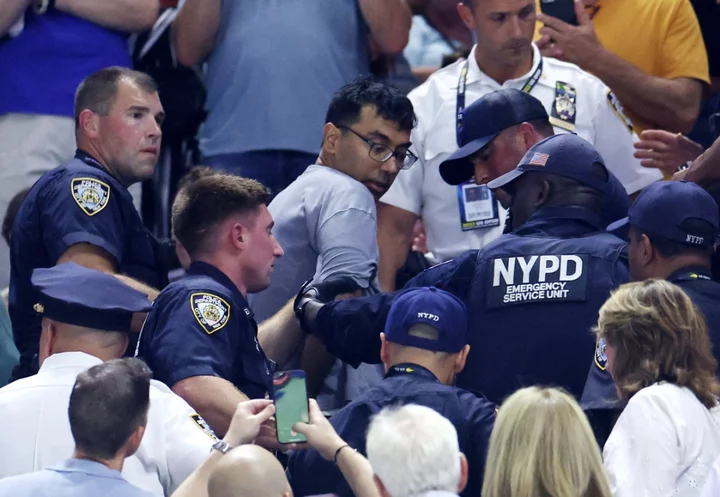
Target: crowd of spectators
x,y
484,232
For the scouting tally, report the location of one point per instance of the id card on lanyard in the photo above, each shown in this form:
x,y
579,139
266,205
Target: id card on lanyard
x,y
476,203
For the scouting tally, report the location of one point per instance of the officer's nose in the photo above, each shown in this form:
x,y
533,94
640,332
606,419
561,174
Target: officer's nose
x,y
391,166
277,250
516,27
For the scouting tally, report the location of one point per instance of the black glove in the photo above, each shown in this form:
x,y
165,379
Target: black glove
x,y
311,298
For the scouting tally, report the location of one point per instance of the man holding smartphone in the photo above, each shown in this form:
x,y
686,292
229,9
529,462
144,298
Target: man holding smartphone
x,y
503,57
659,72
424,346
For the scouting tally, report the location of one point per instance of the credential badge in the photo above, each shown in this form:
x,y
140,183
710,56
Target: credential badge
x,y
90,194
211,311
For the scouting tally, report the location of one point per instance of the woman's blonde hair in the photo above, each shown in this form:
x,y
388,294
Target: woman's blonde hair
x,y
658,335
542,446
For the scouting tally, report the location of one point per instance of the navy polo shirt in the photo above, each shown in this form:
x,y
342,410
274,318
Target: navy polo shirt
x,y
202,326
77,202
472,416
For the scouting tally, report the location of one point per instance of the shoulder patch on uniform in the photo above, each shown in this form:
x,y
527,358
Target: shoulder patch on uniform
x,y
211,311
90,194
601,354
618,108
202,424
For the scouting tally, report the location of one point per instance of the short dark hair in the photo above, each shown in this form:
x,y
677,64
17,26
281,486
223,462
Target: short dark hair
x,y
193,174
348,102
107,404
543,127
210,200
670,248
11,213
97,92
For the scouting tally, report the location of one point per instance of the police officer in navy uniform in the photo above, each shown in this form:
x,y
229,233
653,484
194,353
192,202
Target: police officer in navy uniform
x,y
424,346
533,295
82,211
498,129
672,228
200,337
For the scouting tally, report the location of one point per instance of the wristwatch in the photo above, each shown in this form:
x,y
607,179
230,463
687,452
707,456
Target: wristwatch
x,y
222,446
42,6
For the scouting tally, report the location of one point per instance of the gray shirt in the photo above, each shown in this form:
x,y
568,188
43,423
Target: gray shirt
x,y
72,478
326,223
275,66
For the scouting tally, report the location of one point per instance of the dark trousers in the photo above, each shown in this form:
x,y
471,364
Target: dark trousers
x,y
275,169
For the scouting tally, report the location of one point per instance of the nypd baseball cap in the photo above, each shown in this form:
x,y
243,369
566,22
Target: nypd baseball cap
x,y
565,155
432,306
483,121
663,208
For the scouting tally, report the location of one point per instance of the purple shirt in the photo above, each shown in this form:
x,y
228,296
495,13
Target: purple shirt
x,y
43,66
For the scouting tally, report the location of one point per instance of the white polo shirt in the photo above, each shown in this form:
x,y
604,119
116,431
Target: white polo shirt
x,y
422,191
35,429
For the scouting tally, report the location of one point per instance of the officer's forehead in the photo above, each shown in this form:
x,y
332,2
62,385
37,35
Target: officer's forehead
x,y
130,94
504,6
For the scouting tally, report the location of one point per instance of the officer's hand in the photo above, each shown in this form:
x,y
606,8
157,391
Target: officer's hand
x,y
249,416
577,44
665,150
311,298
320,434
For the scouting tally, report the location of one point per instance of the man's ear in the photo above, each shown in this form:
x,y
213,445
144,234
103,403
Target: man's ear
x,y
647,251
239,236
384,354
461,359
331,138
543,193
463,473
466,15
528,135
89,122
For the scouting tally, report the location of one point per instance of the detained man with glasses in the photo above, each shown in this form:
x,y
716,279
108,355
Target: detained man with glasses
x,y
326,221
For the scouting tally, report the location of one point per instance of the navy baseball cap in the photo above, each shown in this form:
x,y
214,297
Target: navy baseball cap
x,y
73,294
483,120
662,208
432,306
565,155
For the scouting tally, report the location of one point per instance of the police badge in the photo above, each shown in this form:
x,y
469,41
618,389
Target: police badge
x,y
563,110
601,354
211,311
90,194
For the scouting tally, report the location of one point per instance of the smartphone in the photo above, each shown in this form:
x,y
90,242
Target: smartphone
x,y
291,404
561,9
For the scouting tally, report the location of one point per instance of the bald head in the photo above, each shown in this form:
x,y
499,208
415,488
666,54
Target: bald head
x,y
248,471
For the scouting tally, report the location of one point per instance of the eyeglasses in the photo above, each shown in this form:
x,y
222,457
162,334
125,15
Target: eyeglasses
x,y
381,153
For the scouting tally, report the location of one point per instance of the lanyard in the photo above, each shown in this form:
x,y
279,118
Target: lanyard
x,y
411,369
88,159
462,83
692,275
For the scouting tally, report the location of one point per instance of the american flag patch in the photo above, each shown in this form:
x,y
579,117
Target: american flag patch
x,y
539,159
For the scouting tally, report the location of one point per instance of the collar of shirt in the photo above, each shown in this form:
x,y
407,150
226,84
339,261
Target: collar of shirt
x,y
565,221
203,268
689,273
69,360
89,160
475,75
87,467
407,368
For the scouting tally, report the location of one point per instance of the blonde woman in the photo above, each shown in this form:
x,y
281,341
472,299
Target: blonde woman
x,y
542,446
658,353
